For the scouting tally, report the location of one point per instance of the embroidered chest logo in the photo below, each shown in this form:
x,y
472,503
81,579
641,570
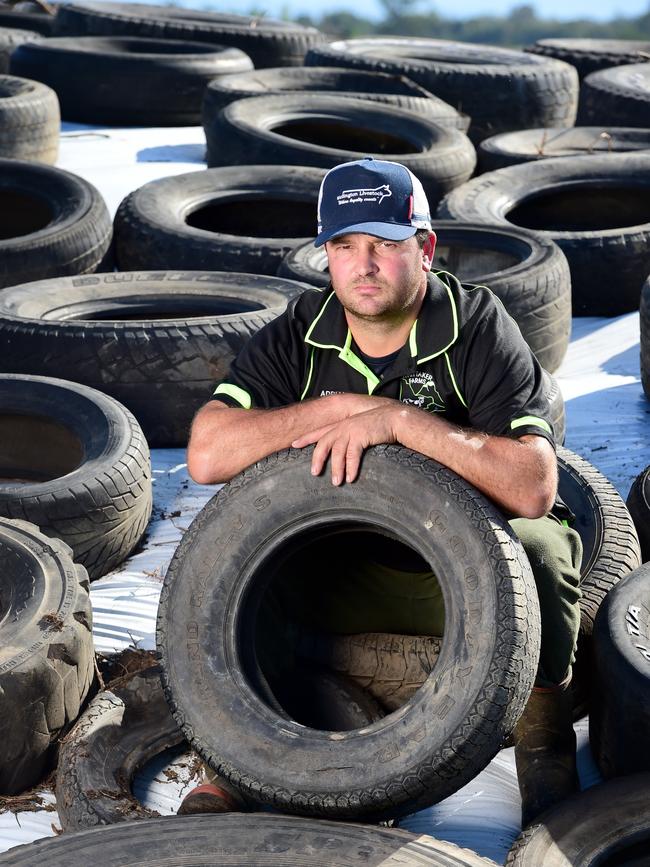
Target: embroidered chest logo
x,y
375,195
420,390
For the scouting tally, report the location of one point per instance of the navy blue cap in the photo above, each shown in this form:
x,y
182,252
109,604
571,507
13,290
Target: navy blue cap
x,y
375,197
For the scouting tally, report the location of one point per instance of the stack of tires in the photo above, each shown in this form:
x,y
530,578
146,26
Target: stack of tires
x,y
111,336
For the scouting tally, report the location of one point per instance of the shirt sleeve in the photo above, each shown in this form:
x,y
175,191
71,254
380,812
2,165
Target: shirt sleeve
x,y
502,381
267,372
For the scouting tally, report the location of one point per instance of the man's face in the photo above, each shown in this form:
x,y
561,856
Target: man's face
x,y
375,279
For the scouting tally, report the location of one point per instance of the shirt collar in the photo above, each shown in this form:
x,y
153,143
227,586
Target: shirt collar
x,y
433,332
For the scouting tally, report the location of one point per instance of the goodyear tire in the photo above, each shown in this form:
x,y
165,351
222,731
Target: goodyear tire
x,y
157,341
171,77
75,463
434,744
29,120
122,728
266,41
321,130
477,79
523,146
394,90
609,823
52,223
227,219
590,55
619,720
46,650
257,840
620,95
594,207
638,502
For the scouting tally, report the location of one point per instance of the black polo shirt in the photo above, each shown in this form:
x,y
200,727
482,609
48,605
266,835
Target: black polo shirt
x,y
465,359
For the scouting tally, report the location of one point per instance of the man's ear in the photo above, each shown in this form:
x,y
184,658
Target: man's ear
x,y
428,251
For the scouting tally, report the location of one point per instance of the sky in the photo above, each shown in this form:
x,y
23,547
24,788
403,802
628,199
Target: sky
x,y
602,10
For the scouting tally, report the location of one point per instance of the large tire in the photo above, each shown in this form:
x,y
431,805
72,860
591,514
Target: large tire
x,y
610,550
620,720
93,77
594,207
10,38
52,223
590,55
208,617
227,219
46,650
620,95
36,21
322,130
644,324
75,463
638,502
156,341
122,728
29,120
266,41
527,272
607,824
256,840
500,89
523,146
395,90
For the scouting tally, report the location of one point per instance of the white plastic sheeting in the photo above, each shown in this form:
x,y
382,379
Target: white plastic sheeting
x,y
608,423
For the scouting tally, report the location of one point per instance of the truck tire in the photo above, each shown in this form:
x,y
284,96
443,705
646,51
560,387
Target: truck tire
x,y
46,650
93,77
75,463
594,207
619,95
227,219
320,130
52,223
122,728
29,120
434,744
157,341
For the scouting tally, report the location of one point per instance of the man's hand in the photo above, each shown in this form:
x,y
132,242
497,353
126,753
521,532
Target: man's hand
x,y
344,441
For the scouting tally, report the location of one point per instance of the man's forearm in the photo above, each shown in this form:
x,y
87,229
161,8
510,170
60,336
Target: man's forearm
x,y
225,440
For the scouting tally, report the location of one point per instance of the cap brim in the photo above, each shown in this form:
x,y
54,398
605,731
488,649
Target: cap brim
x,y
388,231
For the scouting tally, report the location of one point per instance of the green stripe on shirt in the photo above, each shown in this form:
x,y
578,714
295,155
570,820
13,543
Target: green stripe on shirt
x,y
531,419
242,397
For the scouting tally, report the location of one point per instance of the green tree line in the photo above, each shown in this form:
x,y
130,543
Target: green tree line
x,y
521,27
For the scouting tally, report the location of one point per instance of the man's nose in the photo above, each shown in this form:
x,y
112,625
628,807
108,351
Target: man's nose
x,y
366,262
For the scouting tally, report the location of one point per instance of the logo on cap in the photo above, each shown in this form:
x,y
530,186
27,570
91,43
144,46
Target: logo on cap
x,y
371,196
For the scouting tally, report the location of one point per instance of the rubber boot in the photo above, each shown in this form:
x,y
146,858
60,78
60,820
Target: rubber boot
x,y
545,751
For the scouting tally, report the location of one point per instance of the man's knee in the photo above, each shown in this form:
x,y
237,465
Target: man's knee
x,y
554,551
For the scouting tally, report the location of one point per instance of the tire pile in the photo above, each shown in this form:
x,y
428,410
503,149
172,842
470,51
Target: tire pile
x,y
111,334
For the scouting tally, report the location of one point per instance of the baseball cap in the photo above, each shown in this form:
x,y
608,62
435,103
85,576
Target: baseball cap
x,y
375,197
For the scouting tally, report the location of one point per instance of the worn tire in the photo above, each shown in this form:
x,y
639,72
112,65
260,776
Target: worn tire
x,y
558,409
644,324
10,39
608,823
227,219
29,120
75,463
590,55
46,650
52,223
395,90
266,41
620,719
157,341
257,840
93,77
620,95
527,272
437,742
523,146
638,502
122,728
322,131
594,207
477,79
38,21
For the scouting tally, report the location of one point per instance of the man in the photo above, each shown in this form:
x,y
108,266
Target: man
x,y
396,354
